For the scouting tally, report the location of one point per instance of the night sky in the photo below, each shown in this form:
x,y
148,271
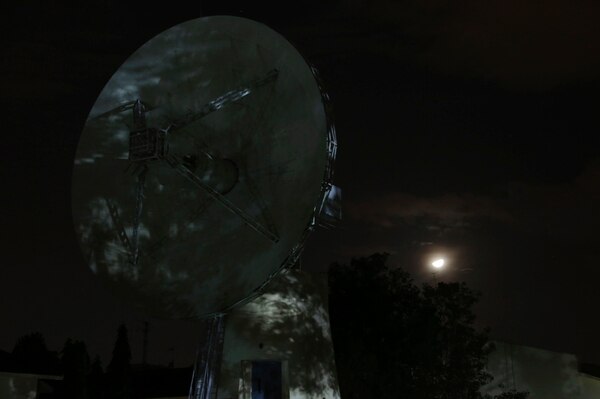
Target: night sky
x,y
468,129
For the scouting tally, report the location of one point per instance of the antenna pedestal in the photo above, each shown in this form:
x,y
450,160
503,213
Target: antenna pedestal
x,y
208,361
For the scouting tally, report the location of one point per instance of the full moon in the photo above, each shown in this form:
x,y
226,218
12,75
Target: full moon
x,y
438,264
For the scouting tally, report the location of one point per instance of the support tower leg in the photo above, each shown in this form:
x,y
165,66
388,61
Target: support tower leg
x,y
208,361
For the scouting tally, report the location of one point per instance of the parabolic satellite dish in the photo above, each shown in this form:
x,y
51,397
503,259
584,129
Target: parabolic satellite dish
x,y
201,167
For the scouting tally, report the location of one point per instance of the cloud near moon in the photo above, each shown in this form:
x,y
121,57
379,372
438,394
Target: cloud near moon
x,y
561,209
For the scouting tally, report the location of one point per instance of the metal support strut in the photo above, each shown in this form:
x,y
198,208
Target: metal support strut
x,y
208,361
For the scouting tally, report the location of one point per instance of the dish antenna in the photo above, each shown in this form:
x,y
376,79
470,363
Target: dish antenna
x,y
204,164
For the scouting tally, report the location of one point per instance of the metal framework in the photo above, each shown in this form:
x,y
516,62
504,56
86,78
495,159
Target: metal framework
x,y
206,369
208,361
331,145
142,151
150,144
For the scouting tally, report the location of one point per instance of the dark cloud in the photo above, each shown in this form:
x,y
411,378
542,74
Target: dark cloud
x,y
558,207
455,209
519,44
566,211
29,75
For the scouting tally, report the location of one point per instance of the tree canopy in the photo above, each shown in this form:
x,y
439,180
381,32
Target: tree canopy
x,y
31,355
393,339
118,372
76,368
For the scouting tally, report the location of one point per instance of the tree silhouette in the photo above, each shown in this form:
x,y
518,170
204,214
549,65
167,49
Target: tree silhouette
x,y
393,339
96,380
76,367
30,355
118,372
